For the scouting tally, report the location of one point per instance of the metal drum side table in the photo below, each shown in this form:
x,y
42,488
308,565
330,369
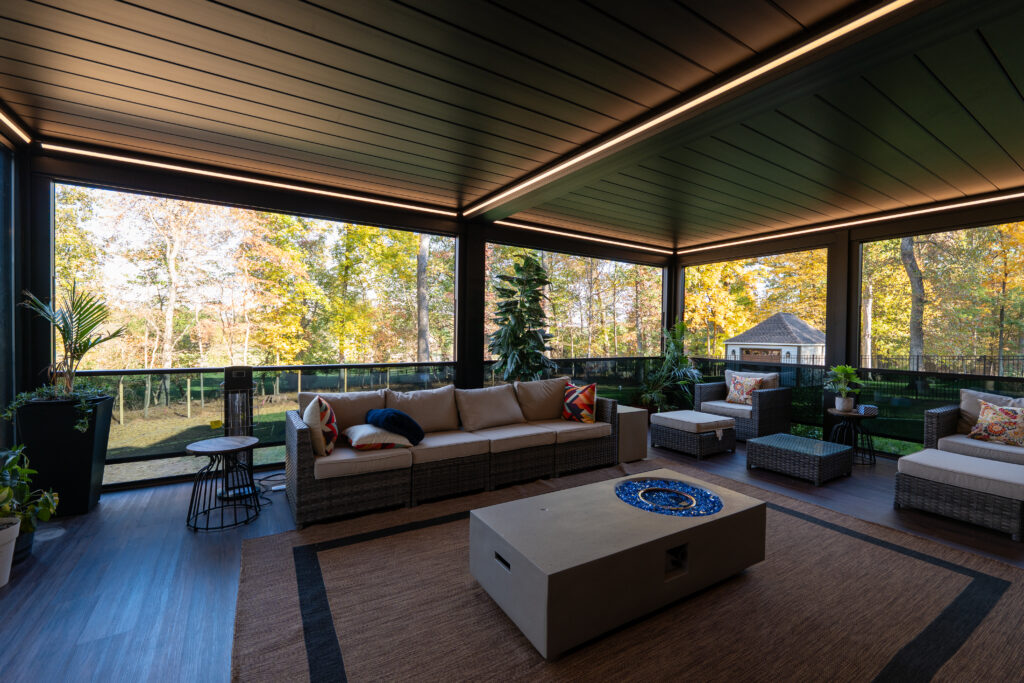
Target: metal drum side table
x,y
223,493
851,432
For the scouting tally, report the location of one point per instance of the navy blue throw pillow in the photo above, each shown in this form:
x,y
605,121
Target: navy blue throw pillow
x,y
397,422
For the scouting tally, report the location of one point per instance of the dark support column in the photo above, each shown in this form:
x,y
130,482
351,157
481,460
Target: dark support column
x,y
34,272
7,222
841,297
469,308
672,293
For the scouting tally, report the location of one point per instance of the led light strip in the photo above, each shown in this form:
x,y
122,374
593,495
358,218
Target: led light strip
x,y
15,127
732,84
859,221
577,236
245,179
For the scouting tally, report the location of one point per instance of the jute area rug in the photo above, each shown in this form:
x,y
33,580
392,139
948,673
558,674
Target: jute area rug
x,y
389,597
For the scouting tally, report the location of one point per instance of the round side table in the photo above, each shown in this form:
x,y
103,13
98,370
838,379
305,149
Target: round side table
x,y
850,431
223,492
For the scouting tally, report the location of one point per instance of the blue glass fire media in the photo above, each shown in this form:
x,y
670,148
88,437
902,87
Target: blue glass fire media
x,y
668,497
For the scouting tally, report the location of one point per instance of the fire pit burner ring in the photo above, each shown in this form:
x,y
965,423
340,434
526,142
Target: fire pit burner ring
x,y
668,497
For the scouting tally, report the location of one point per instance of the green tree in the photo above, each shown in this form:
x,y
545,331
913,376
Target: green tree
x,y
521,340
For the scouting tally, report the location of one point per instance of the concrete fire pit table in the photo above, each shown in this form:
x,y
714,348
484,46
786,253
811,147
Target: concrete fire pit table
x,y
571,565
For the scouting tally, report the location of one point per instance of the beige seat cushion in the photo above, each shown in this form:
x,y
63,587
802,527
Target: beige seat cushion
x,y
692,421
771,379
970,408
542,399
349,409
346,462
490,407
433,409
514,437
725,408
449,445
977,474
965,445
567,430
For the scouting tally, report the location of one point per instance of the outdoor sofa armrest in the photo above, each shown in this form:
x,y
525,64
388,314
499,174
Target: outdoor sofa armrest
x,y
708,391
298,452
939,422
772,410
605,411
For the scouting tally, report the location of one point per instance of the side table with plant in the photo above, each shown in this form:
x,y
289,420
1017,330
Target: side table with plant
x,y
843,380
65,428
22,504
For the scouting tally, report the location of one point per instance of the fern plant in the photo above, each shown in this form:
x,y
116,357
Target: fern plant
x,y
521,339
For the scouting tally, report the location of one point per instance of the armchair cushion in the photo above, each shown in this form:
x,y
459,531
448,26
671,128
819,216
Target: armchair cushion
x,y
433,409
734,410
567,431
965,445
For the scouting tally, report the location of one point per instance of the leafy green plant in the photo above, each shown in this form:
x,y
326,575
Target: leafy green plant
x,y
843,380
670,386
521,338
17,499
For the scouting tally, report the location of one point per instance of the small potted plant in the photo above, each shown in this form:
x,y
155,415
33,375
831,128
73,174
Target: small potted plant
x,y
65,428
18,500
843,381
9,528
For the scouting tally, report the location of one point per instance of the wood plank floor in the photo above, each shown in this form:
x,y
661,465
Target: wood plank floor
x,y
127,593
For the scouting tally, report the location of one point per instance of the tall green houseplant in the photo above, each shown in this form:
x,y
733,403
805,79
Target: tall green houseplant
x,y
669,387
521,339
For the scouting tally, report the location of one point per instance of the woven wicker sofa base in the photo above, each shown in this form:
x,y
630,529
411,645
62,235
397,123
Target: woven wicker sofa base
x,y
450,477
525,464
577,456
324,499
699,445
967,505
814,468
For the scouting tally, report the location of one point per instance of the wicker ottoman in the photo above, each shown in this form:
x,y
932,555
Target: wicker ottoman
x,y
985,492
801,457
693,433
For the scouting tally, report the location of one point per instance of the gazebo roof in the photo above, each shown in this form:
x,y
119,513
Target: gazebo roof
x,y
781,328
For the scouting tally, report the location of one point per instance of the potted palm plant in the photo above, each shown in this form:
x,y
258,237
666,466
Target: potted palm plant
x,y
669,386
65,428
843,381
521,338
22,505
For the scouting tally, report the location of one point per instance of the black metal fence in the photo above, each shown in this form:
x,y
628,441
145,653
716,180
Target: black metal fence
x,y
1005,366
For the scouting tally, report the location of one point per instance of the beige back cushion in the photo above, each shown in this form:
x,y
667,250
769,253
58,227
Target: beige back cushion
x,y
970,409
542,399
771,379
349,409
490,407
433,409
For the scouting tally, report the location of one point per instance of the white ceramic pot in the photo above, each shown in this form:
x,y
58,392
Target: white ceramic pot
x,y
845,404
9,527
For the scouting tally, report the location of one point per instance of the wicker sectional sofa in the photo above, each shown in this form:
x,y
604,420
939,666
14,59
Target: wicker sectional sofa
x,y
475,439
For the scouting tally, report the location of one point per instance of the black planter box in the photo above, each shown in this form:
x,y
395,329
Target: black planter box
x,y
68,461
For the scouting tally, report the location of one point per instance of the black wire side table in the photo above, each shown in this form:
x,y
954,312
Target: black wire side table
x,y
850,431
223,492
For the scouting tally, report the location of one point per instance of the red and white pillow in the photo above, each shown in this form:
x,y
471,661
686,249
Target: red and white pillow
x,y
371,438
320,416
579,403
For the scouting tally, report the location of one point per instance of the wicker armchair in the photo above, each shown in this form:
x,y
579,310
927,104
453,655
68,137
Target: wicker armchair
x,y
771,409
940,422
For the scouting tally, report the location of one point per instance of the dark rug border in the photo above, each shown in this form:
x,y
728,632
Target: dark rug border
x,y
918,660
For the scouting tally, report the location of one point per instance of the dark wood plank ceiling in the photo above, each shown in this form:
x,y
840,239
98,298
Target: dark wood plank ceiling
x,y
440,101
939,123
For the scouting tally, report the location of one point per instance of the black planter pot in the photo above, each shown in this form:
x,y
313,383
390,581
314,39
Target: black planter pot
x,y
23,547
68,461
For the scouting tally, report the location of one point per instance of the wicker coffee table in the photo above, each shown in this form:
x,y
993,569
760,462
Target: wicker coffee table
x,y
800,457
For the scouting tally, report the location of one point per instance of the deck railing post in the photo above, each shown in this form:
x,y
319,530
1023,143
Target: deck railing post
x,y
188,397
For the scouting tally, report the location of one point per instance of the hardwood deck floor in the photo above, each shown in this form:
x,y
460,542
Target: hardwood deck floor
x,y
127,593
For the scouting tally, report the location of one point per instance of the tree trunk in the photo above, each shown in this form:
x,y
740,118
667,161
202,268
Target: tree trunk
x,y
172,301
590,308
867,310
916,301
637,312
422,302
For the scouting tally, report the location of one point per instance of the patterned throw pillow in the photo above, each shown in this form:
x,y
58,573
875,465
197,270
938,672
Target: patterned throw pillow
x,y
999,423
319,413
371,438
742,389
579,403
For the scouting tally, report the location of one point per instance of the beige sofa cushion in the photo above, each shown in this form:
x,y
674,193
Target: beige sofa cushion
x,y
734,410
567,430
449,445
433,409
542,399
490,407
349,409
970,408
993,450
346,462
977,474
692,421
514,437
771,379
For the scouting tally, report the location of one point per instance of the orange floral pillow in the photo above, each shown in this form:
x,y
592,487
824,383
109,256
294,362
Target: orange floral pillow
x,y
998,423
741,389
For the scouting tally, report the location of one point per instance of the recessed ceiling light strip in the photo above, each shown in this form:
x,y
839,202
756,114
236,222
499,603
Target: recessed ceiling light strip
x,y
731,84
859,221
15,127
573,235
245,179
